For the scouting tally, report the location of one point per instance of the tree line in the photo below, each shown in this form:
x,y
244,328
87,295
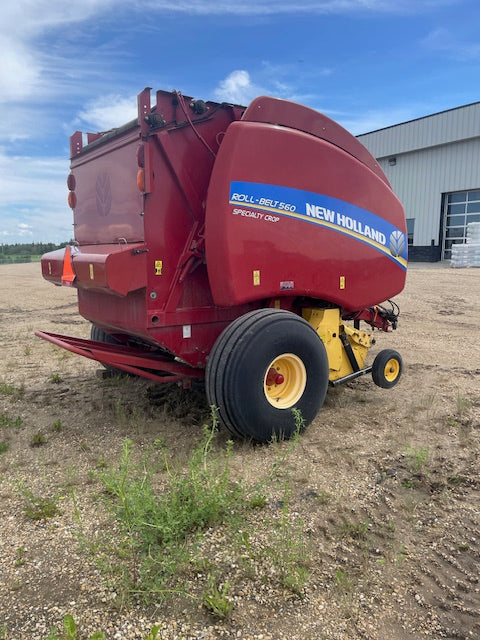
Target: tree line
x,y
27,251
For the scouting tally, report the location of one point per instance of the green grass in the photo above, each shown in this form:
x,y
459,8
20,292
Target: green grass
x,y
159,528
38,439
70,631
162,512
37,507
7,422
215,599
7,389
417,459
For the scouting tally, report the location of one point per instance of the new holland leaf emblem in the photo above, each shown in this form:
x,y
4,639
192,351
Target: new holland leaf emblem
x,y
103,192
397,243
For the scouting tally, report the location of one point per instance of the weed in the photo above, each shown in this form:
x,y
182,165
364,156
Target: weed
x,y
7,422
38,507
55,378
38,439
390,525
343,581
9,390
3,632
417,459
57,426
356,531
157,530
3,446
101,463
457,480
323,497
84,446
27,351
153,635
284,450
427,402
401,556
20,556
257,501
463,405
70,631
158,533
215,599
288,552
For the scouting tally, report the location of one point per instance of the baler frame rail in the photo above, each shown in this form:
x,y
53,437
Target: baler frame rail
x,y
132,360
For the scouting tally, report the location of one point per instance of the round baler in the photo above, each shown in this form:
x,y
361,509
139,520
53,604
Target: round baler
x,y
240,245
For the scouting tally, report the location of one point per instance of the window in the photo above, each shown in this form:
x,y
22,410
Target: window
x,y
461,208
410,229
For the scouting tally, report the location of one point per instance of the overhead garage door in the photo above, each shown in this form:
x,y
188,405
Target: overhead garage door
x,y
461,207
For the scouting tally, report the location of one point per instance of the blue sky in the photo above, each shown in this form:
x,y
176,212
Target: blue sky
x,y
78,64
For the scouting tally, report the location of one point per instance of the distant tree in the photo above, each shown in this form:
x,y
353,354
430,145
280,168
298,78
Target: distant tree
x,y
22,252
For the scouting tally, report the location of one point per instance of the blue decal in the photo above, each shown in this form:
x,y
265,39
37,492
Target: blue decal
x,y
325,211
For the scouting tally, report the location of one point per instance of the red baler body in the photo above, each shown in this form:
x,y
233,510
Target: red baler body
x,y
235,209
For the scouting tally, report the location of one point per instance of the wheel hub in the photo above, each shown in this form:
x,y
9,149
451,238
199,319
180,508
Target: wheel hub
x,y
392,369
285,381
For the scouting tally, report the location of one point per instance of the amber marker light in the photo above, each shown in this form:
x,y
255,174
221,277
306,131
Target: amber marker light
x,y
72,199
141,179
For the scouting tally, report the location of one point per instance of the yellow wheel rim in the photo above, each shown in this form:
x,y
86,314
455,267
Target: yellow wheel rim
x,y
392,370
285,381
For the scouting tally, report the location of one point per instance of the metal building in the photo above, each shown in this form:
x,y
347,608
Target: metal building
x,y
433,164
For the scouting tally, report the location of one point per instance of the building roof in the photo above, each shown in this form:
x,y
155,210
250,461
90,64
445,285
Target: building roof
x,y
444,127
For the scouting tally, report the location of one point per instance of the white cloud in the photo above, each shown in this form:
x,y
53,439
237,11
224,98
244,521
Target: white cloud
x,y
34,198
25,67
108,111
24,229
238,88
22,23
275,7
442,40
19,72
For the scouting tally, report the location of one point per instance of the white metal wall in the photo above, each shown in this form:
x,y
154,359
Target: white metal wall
x,y
433,155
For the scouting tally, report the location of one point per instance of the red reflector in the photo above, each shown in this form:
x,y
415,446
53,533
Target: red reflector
x,y
71,182
72,200
67,274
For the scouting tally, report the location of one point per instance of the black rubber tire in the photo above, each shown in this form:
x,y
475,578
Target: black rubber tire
x,y
237,366
380,364
99,335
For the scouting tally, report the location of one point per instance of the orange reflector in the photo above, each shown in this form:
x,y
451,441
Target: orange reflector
x,y
72,200
67,275
141,179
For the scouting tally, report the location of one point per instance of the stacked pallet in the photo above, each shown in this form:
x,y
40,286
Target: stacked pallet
x,y
468,254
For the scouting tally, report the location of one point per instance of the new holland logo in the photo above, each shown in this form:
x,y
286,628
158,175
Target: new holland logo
x,y
397,243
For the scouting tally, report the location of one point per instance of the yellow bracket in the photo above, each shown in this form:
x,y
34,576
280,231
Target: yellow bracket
x,y
329,326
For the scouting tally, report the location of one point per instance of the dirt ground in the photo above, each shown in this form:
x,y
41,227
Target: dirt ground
x,y
385,482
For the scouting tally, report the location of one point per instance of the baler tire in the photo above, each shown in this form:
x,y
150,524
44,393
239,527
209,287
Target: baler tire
x,y
99,335
241,361
387,368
